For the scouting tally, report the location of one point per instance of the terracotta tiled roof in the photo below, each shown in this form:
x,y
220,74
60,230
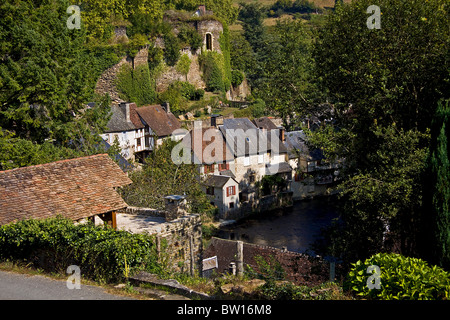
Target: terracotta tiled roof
x,y
134,117
161,122
75,188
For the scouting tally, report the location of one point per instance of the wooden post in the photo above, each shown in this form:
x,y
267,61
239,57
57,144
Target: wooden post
x,y
191,252
109,218
240,258
114,220
332,271
158,246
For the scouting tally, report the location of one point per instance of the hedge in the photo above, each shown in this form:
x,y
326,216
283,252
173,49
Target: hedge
x,y
400,278
102,253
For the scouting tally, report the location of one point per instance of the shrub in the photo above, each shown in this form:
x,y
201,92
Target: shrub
x,y
190,37
198,94
55,243
236,77
212,66
187,89
183,65
136,84
290,291
172,49
402,278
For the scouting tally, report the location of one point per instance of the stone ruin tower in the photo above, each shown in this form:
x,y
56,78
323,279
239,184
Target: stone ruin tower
x,y
209,29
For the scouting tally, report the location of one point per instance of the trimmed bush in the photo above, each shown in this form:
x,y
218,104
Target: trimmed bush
x,y
401,278
103,254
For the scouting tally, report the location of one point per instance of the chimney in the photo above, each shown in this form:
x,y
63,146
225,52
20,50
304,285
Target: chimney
x,y
202,10
126,110
175,207
214,120
282,130
166,107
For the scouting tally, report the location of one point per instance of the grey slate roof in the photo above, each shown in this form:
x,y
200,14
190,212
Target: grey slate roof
x,y
248,139
265,123
118,121
296,141
217,181
282,167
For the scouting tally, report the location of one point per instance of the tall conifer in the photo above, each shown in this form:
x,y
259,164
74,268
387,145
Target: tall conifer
x,y
439,198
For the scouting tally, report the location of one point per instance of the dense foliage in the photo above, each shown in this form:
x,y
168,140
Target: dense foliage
x,y
136,84
102,253
160,177
383,86
47,75
401,278
437,189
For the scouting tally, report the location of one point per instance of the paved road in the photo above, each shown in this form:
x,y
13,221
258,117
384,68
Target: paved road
x,y
14,286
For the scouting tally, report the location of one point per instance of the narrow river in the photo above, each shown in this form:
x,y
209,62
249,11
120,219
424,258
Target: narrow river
x,y
295,228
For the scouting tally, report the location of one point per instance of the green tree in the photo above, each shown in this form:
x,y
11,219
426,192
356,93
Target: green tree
x,y
98,15
382,84
393,74
183,65
438,185
47,75
223,9
288,87
189,36
242,56
212,65
252,17
161,177
172,49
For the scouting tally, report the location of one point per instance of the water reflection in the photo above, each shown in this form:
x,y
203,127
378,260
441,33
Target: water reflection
x,y
295,228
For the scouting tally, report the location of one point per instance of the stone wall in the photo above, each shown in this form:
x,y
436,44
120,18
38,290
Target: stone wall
x,y
239,93
212,27
181,238
106,82
300,268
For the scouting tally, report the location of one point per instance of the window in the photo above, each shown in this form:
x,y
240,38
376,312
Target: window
x,y
231,205
231,191
138,142
208,41
210,190
224,166
209,168
260,158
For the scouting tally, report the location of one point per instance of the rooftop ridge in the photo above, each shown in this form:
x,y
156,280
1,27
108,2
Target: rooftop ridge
x,y
55,162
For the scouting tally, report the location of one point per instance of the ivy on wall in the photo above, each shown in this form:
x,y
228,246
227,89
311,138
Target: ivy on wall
x,y
136,84
216,67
